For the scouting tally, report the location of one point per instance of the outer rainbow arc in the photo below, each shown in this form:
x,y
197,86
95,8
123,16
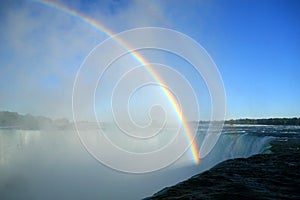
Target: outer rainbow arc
x,y
138,57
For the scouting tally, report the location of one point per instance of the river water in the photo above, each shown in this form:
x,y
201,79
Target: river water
x,y
52,164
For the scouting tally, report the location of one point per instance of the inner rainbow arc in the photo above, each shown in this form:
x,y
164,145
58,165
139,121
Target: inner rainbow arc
x,y
171,98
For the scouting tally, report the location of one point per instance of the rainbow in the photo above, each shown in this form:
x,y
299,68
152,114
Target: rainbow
x,y
140,59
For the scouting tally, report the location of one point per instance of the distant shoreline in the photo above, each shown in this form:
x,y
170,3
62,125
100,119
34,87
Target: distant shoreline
x,y
14,120
268,121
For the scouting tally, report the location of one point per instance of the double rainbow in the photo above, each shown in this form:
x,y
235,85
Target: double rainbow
x,y
139,58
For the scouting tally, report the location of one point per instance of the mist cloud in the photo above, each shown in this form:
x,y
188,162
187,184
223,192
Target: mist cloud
x,y
43,49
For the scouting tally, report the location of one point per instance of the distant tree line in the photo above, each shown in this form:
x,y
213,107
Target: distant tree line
x,y
29,122
270,121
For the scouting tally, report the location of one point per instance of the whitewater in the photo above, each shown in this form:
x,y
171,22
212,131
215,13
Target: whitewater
x,y
41,164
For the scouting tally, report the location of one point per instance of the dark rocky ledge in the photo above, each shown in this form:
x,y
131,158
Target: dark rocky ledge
x,y
265,176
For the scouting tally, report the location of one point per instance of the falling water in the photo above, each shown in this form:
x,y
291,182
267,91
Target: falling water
x,y
54,165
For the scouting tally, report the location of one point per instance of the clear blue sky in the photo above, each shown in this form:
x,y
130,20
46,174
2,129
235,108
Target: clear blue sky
x,y
255,44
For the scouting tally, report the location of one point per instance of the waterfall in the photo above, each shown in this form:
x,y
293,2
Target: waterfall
x,y
230,146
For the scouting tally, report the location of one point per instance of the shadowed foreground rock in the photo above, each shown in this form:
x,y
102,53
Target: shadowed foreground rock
x,y
267,176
